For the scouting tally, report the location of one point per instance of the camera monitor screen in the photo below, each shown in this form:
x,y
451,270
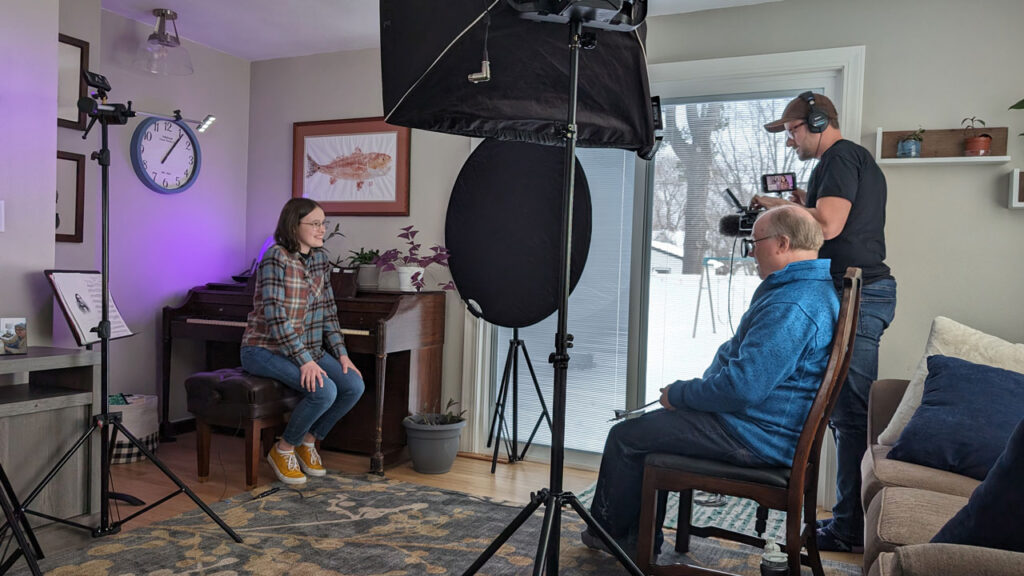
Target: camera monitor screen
x,y
785,182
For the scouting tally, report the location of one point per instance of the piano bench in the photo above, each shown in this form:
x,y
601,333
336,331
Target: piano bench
x,y
232,398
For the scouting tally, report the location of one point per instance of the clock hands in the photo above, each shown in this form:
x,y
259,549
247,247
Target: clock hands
x,y
162,160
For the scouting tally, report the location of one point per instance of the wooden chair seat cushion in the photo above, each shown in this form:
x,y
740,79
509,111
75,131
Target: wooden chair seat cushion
x,y
770,476
227,396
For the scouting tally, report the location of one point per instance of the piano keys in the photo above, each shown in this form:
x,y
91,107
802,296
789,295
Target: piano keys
x,y
395,339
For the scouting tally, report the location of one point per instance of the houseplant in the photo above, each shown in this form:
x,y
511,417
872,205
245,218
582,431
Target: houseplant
x,y
910,145
368,274
433,438
975,144
343,279
410,265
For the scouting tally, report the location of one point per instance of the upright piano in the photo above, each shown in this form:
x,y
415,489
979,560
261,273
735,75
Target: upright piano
x,y
394,338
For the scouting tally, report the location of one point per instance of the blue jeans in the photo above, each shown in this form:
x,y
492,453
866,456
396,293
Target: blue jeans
x,y
616,505
850,416
318,411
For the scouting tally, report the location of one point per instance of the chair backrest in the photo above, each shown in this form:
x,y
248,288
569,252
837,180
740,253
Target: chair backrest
x,y
808,447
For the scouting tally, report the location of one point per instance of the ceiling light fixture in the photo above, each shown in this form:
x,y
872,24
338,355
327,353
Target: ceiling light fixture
x,y
163,54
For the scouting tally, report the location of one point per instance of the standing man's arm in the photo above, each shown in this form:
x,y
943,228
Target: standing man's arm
x,y
831,212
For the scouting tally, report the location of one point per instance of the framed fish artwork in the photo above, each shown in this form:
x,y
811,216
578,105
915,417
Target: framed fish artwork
x,y
355,167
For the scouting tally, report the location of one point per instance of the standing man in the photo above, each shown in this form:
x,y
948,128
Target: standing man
x,y
846,195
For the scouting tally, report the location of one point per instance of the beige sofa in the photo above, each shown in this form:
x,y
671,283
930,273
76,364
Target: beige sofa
x,y
907,504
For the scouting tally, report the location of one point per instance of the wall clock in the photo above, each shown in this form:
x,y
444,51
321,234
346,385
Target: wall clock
x,y
165,155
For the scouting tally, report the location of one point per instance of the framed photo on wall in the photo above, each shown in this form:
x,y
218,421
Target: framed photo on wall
x,y
70,196
72,58
357,167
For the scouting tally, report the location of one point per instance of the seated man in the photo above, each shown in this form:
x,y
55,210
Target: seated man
x,y
749,407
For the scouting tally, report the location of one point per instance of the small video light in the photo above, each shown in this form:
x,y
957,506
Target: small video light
x,y
207,122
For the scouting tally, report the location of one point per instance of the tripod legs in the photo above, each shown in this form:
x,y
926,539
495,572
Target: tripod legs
x,y
117,426
511,376
106,527
546,560
15,520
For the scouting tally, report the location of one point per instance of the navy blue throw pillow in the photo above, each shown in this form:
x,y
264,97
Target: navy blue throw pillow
x,y
967,414
992,517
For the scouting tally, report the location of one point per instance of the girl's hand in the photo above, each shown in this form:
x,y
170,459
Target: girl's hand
x,y
346,365
312,376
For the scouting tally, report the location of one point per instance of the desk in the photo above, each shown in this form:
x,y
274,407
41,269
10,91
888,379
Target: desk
x,y
47,398
713,262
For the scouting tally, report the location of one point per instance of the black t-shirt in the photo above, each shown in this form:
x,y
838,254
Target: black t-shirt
x,y
847,170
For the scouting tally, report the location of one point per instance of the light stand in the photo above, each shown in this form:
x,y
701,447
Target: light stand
x,y
498,419
553,498
107,114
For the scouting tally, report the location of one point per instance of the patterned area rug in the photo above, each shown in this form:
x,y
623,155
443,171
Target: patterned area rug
x,y
344,525
736,514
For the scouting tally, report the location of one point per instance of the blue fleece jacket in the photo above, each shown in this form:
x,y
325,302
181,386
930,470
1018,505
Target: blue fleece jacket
x,y
763,380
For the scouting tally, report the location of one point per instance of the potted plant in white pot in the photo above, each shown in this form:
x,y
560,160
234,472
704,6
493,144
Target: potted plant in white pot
x,y
410,265
368,273
433,438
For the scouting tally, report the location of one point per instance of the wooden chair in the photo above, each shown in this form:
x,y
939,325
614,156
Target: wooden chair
x,y
790,489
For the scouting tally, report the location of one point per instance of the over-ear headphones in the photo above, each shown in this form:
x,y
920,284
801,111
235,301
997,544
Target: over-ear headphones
x,y
817,119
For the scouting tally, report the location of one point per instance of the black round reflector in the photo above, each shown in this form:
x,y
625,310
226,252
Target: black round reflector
x,y
503,231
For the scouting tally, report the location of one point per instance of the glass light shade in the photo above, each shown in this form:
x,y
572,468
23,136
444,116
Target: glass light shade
x,y
157,58
163,53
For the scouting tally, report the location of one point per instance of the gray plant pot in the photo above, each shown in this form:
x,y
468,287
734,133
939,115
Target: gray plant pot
x,y
368,276
433,447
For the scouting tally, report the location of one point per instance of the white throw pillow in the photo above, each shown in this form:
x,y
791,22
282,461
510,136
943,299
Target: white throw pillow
x,y
950,338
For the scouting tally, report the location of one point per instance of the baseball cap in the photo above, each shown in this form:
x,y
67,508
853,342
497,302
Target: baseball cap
x,y
797,109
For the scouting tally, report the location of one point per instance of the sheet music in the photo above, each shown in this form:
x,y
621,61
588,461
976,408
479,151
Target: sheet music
x,y
81,300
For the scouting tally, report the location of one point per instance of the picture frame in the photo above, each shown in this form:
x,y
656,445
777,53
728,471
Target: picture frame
x,y
70,196
354,167
72,58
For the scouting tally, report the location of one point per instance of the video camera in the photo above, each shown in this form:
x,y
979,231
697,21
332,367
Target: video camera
x,y
741,224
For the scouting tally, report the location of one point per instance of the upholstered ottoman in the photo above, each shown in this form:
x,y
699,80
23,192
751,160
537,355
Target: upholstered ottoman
x,y
233,398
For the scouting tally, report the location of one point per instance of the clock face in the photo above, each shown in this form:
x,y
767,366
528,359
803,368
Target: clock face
x,y
165,155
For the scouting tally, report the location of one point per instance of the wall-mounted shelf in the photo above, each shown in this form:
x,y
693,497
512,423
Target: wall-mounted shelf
x,y
940,147
1016,189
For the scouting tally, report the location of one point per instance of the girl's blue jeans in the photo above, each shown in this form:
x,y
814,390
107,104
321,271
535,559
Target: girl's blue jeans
x,y
318,411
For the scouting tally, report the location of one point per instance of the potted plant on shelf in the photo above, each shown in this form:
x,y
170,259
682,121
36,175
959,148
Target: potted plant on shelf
x,y
368,274
433,438
910,145
410,265
343,279
975,144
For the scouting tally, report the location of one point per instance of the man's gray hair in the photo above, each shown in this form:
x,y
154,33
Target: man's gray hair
x,y
797,224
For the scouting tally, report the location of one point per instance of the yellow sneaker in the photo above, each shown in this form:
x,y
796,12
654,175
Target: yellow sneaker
x,y
286,466
309,460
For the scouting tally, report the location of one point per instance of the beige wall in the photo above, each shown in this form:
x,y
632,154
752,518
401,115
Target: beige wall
x,y
953,245
348,85
28,161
